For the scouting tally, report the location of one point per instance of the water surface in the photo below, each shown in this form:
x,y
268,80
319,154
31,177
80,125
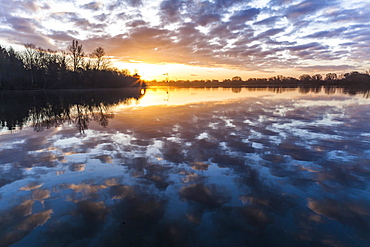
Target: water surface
x,y
185,167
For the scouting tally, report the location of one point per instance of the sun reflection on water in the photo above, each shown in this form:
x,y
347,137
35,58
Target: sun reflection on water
x,y
194,167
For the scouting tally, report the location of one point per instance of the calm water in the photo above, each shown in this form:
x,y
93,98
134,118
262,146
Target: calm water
x,y
185,167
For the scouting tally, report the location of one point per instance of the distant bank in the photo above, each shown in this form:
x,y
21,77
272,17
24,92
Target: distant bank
x,y
352,79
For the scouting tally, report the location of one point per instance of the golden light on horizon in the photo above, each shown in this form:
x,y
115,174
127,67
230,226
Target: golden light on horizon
x,y
190,44
176,72
146,71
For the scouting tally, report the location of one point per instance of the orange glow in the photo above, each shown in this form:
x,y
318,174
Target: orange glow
x,y
176,72
172,96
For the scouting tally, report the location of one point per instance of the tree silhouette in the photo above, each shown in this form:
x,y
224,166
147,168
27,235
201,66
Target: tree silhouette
x,y
77,54
331,77
101,63
236,78
305,78
11,69
40,68
317,77
29,60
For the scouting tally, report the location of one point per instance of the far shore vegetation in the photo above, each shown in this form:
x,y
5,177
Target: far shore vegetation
x,y
38,68
353,79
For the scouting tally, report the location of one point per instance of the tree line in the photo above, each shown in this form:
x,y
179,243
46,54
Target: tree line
x,y
351,79
38,68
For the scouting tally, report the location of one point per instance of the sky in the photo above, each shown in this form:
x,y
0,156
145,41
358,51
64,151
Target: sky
x,y
201,39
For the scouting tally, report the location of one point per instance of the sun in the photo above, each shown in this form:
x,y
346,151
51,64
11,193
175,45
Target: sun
x,y
146,71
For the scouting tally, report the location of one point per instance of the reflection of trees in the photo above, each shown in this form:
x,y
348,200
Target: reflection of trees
x,y
78,115
327,89
44,110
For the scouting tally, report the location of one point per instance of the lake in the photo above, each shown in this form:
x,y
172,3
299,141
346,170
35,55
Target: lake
x,y
185,167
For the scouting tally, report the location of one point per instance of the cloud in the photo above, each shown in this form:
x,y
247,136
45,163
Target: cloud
x,y
102,17
117,4
307,8
327,68
93,6
328,33
271,32
244,15
208,18
137,23
208,196
231,34
25,25
304,47
169,10
358,14
65,16
270,21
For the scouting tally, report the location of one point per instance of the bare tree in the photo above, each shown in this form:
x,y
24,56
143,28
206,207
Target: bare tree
x,y
101,62
77,54
29,59
29,55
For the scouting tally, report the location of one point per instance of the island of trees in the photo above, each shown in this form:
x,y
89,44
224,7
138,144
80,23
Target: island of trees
x,y
38,68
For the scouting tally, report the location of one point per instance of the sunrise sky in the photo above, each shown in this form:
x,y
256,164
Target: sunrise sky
x,y
196,39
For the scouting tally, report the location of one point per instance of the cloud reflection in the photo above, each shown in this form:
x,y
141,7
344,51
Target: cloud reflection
x,y
250,171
